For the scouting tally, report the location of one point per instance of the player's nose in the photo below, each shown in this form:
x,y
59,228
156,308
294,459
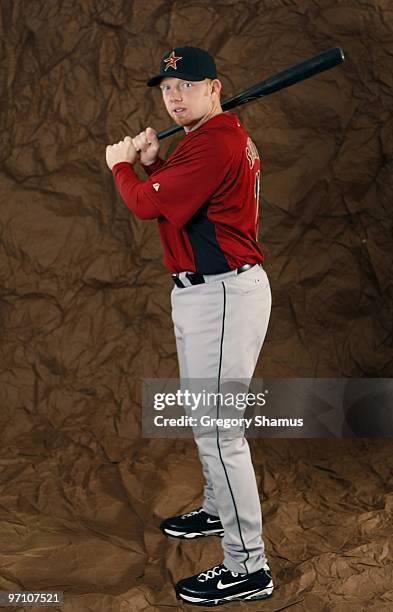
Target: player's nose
x,y
175,96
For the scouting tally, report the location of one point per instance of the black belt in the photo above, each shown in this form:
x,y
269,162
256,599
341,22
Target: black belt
x,y
196,278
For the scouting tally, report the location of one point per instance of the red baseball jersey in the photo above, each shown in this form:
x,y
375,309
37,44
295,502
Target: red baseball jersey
x,y
205,197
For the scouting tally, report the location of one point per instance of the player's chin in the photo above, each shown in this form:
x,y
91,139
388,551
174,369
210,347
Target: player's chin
x,y
180,119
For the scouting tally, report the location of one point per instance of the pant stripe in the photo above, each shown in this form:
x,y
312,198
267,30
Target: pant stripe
x,y
218,437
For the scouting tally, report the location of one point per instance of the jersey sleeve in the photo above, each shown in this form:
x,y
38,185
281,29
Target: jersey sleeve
x,y
130,187
190,177
154,166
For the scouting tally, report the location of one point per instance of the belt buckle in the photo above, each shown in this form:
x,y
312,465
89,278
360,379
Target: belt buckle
x,y
244,268
177,281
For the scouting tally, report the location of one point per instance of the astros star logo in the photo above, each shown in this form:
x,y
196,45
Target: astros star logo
x,y
171,61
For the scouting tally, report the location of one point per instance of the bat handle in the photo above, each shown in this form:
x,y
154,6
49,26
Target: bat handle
x,y
169,131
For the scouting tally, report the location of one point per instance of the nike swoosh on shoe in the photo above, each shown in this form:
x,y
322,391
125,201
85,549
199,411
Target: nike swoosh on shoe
x,y
220,585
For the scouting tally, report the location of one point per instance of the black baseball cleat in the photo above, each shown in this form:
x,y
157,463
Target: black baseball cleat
x,y
218,585
195,524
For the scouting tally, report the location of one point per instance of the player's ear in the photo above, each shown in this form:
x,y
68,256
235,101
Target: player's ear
x,y
216,86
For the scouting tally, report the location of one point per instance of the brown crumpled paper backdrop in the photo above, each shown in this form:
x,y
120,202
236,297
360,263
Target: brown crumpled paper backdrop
x,y
85,310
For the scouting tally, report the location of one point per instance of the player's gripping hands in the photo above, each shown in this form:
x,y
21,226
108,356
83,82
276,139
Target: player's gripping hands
x,y
148,144
143,147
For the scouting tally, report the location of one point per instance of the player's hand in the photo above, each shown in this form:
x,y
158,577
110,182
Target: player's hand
x,y
123,150
148,144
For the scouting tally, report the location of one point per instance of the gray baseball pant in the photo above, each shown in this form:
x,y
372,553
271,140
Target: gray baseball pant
x,y
219,328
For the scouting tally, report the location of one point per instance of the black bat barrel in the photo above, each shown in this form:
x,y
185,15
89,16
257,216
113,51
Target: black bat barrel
x,y
286,78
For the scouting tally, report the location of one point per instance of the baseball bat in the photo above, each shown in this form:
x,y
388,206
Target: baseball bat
x,y
285,78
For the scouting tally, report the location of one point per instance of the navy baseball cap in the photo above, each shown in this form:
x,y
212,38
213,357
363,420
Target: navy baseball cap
x,y
189,63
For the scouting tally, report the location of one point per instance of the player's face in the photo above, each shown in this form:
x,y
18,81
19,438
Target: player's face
x,y
190,103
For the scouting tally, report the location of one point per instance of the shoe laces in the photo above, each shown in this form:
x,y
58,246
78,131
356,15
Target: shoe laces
x,y
217,570
192,513
214,572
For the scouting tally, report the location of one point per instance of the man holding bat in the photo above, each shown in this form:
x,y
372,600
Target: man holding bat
x,y
205,199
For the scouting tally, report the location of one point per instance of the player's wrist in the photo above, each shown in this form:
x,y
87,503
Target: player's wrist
x,y
149,162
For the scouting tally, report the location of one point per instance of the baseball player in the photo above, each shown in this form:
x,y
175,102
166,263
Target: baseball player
x,y
205,199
